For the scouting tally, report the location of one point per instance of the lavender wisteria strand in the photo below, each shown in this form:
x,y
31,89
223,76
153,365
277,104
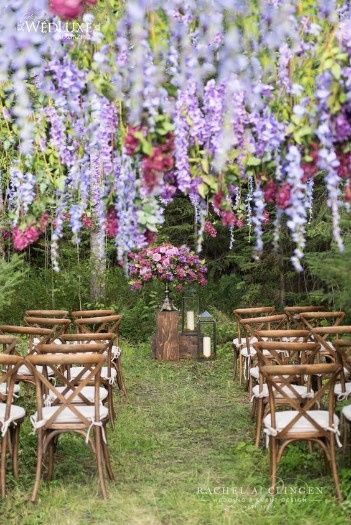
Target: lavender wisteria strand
x,y
328,161
258,218
21,192
181,142
296,210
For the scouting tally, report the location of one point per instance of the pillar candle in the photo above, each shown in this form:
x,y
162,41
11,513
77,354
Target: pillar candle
x,y
206,342
190,320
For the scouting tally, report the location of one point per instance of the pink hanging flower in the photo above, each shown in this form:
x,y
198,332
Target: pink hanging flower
x,y
284,196
210,229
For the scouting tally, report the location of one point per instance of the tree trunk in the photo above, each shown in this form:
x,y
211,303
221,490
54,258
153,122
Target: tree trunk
x,y
98,265
166,339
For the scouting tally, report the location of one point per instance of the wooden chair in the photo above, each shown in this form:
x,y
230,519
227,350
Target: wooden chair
x,y
58,314
108,372
11,417
314,319
302,422
103,324
34,336
280,353
68,413
251,326
8,344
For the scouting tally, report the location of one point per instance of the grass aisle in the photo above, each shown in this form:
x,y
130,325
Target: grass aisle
x,y
182,454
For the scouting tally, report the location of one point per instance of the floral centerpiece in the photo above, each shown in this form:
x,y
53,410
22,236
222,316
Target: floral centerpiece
x,y
167,263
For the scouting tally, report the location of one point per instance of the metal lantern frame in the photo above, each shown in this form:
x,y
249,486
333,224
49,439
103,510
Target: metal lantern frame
x,y
207,323
190,312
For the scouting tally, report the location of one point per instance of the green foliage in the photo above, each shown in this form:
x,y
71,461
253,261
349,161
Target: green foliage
x,y
12,275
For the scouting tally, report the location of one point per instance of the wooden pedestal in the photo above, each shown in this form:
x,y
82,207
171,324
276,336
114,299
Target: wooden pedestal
x,y
166,339
188,346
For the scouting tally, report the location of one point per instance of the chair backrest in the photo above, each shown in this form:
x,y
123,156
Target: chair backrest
x,y
57,324
343,357
107,323
8,343
327,336
293,313
91,364
63,314
78,314
286,353
35,335
277,379
251,325
312,319
241,313
9,365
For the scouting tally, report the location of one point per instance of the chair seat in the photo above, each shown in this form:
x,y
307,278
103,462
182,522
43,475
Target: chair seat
x,y
75,371
302,425
338,390
88,392
25,371
16,412
346,412
301,390
3,389
255,372
67,416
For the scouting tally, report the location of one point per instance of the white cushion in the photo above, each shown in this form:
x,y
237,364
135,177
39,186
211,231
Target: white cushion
x,y
3,389
255,372
75,371
245,353
338,391
346,412
67,416
25,371
301,390
302,424
16,412
88,392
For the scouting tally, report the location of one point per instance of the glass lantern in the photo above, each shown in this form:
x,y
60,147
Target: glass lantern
x,y
190,312
207,336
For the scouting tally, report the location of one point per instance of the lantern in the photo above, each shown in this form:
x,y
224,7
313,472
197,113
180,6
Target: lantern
x,y
207,336
190,311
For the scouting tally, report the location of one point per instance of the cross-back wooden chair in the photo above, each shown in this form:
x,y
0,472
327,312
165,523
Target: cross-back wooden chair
x,y
8,344
34,335
314,319
57,324
280,353
251,326
238,342
67,413
302,422
108,372
327,336
102,324
58,314
293,314
11,417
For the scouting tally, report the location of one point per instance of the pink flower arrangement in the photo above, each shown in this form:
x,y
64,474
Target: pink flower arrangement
x,y
167,263
22,238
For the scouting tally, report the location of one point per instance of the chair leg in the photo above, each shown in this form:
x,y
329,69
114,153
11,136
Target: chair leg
x,y
39,466
107,461
99,461
345,433
235,362
120,378
274,464
334,467
240,369
259,419
15,448
51,457
3,465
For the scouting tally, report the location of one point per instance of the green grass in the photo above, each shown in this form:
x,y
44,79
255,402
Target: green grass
x,y
182,454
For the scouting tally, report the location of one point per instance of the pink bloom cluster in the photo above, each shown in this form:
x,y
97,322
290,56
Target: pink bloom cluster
x,y
167,263
159,161
210,229
22,238
280,195
69,9
111,223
